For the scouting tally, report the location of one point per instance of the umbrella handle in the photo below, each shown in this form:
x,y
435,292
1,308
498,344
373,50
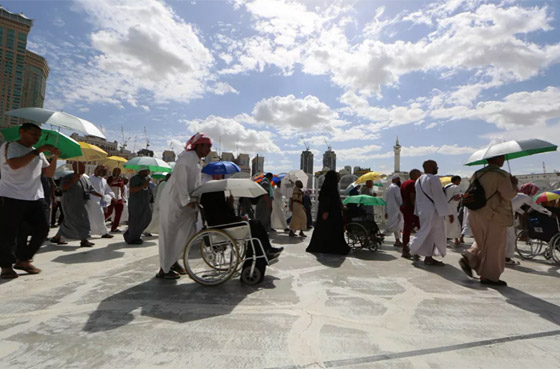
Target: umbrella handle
x,y
509,168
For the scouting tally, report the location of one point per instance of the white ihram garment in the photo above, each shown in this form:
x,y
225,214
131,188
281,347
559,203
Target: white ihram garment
x,y
95,207
431,238
177,221
453,229
278,219
153,227
393,209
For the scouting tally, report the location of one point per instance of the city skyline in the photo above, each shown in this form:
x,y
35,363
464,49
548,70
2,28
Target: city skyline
x,y
276,76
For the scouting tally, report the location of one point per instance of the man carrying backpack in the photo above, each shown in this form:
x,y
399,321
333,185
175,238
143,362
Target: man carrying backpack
x,y
489,223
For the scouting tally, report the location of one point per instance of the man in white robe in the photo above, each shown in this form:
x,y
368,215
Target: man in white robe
x,y
95,205
453,195
431,208
178,210
393,213
278,219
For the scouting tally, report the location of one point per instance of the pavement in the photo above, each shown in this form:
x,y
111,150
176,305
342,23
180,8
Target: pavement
x,y
101,307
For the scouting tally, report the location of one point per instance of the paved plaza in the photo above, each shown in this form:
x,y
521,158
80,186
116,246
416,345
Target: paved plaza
x,y
103,308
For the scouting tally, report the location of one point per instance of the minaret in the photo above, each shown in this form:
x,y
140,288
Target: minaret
x,y
397,151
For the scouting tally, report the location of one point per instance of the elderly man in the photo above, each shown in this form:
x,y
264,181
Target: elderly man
x,y
77,190
431,208
408,195
453,195
178,210
489,224
22,198
264,206
393,213
368,190
96,204
139,209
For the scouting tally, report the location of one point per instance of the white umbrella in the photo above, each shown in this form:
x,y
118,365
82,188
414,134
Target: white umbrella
x,y
296,175
237,187
57,118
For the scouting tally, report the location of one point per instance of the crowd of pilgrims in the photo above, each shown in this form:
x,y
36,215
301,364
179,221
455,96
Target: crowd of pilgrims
x,y
82,206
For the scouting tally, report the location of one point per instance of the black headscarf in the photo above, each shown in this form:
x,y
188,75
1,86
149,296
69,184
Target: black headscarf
x,y
330,186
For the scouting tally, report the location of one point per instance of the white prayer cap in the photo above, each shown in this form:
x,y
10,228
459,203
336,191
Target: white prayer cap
x,y
395,176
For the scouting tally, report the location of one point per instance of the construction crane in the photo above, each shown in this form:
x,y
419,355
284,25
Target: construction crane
x,y
307,146
146,136
328,146
124,142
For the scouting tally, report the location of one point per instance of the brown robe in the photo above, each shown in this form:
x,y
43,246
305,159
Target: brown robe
x,y
489,224
299,218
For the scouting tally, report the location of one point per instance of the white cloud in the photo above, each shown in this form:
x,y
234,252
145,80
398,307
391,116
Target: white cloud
x,y
229,135
289,114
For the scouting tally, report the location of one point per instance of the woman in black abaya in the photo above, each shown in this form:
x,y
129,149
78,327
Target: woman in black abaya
x,y
328,236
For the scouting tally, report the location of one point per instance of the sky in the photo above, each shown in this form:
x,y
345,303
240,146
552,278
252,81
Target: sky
x,y
272,77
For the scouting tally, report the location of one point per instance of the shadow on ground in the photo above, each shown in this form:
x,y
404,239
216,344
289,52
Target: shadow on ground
x,y
97,254
167,300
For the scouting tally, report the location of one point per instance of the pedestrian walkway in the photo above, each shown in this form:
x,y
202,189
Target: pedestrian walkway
x,y
102,307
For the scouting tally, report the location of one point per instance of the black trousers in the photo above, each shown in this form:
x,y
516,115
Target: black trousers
x,y
13,213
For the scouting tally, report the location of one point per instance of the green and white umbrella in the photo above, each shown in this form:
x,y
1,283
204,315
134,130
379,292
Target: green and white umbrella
x,y
364,200
147,162
68,147
511,150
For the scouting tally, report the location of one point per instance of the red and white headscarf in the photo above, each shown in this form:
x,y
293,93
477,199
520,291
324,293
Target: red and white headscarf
x,y
198,138
529,189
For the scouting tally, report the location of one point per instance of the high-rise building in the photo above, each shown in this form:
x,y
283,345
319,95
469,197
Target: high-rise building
x,y
168,156
257,165
227,156
211,157
329,159
397,151
244,163
14,29
306,161
34,80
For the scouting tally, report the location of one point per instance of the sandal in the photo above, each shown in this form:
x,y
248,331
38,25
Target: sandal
x,y
177,268
10,274
86,243
170,275
464,264
30,269
433,262
58,241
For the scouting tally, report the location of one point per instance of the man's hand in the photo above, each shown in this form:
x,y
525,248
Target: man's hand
x,y
514,180
47,147
193,205
325,215
457,197
451,218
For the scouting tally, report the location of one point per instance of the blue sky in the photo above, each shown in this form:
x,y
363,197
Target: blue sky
x,y
272,76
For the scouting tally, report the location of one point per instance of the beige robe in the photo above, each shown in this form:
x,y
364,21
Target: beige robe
x,y
489,224
299,219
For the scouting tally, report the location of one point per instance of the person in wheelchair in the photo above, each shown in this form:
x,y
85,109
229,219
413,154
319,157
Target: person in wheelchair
x,y
356,213
219,210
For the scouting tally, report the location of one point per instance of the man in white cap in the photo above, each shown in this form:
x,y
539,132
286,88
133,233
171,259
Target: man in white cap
x,y
178,210
393,213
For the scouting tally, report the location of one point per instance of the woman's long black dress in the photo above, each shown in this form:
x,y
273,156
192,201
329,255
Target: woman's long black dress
x,y
328,236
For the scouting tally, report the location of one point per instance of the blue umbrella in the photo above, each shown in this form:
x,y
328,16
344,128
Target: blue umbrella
x,y
278,177
221,167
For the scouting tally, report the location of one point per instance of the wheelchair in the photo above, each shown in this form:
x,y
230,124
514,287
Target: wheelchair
x,y
540,236
363,232
217,253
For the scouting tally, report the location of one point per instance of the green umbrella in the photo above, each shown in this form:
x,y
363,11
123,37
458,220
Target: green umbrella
x,y
68,147
511,150
158,175
364,200
147,162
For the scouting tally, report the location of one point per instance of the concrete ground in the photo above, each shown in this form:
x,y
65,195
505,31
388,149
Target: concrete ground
x,y
103,308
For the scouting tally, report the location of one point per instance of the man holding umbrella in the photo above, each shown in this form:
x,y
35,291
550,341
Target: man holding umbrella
x,y
489,223
22,198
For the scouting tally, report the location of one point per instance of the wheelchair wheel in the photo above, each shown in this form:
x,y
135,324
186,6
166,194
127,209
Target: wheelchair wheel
x,y
211,257
527,248
258,273
554,248
356,236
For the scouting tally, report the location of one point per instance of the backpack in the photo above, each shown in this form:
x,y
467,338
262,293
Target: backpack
x,y
475,196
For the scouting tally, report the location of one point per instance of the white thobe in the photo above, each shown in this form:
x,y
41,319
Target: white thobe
x,y
516,203
453,229
430,238
177,221
95,206
278,219
466,230
393,209
153,227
